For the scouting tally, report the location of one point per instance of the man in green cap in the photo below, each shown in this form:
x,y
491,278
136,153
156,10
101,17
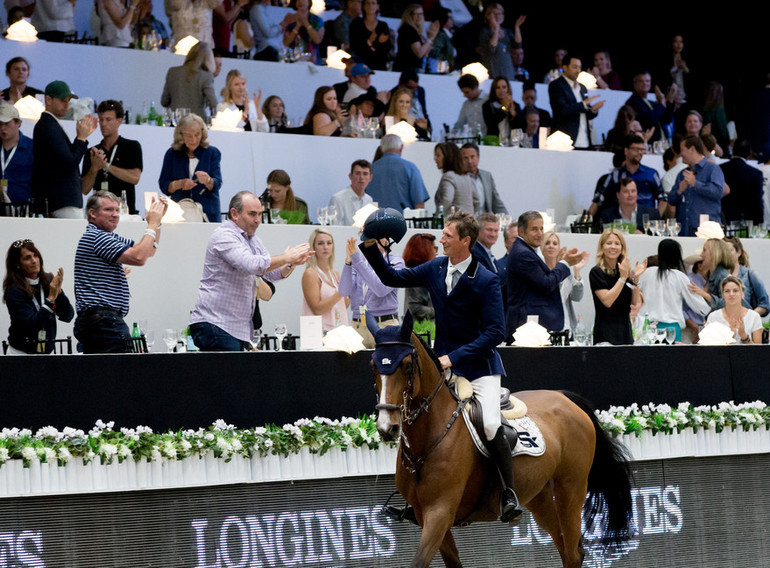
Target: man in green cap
x,y
56,184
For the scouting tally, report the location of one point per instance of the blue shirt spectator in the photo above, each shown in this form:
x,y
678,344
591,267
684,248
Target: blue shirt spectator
x,y
396,182
697,192
16,163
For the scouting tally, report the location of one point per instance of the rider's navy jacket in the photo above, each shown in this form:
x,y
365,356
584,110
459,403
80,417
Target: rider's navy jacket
x,y
470,322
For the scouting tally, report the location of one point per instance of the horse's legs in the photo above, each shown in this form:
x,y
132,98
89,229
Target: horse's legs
x,y
544,513
436,523
448,551
570,495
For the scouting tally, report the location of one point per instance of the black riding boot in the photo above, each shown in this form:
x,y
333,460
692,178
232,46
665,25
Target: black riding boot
x,y
510,511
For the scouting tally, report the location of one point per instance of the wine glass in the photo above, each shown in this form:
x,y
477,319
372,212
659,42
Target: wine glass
x,y
169,336
323,215
331,214
660,334
280,333
652,330
149,337
670,335
646,223
516,135
256,339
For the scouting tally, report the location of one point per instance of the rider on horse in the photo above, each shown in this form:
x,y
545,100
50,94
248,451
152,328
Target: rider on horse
x,y
469,321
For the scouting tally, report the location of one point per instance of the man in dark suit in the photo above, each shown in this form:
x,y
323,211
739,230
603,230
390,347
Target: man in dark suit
x,y
571,105
469,325
745,200
489,231
56,184
533,288
650,114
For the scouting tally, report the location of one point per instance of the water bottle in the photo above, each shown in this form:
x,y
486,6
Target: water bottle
x,y
124,204
440,217
135,331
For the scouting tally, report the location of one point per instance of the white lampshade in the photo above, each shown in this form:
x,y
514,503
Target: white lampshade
x,y
558,141
227,120
184,45
335,59
318,7
22,31
29,108
405,131
587,80
360,216
477,70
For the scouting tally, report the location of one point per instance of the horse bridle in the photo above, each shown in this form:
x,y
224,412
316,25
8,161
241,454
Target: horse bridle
x,y
410,415
407,413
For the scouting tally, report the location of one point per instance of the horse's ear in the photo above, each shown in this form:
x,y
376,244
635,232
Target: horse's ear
x,y
406,327
371,324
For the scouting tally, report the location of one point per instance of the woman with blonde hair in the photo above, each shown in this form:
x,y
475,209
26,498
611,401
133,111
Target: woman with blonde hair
x,y
281,197
320,283
191,85
745,323
571,288
236,97
614,289
400,103
191,167
412,44
756,297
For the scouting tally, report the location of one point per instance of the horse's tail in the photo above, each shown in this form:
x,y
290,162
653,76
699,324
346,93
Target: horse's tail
x,y
609,483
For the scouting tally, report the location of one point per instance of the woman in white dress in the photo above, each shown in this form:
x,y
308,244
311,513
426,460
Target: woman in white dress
x,y
746,323
321,282
571,288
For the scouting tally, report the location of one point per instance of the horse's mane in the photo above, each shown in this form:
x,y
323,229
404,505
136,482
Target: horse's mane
x,y
430,352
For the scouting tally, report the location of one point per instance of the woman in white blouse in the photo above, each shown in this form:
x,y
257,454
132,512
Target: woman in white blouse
x,y
745,323
666,286
236,97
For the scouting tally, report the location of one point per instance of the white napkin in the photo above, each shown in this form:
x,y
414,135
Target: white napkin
x,y
716,333
29,108
343,338
360,216
227,120
22,31
710,230
558,141
531,334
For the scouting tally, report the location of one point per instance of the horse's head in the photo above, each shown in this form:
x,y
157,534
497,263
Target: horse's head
x,y
394,360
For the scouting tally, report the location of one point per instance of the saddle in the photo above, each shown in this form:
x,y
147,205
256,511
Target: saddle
x,y
522,433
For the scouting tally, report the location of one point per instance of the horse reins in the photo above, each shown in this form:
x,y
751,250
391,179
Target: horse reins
x,y
411,415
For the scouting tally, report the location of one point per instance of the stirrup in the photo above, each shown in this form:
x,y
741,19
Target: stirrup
x,y
398,513
510,510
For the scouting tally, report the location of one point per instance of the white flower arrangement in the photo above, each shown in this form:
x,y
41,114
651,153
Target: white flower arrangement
x,y
319,435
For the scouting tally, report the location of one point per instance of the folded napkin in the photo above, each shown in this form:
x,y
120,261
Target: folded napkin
x,y
716,333
343,338
184,45
531,334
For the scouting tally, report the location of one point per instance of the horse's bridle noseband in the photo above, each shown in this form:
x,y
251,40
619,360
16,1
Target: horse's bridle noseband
x,y
409,415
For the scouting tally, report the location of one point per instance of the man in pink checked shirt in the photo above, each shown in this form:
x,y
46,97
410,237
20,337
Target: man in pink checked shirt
x,y
235,257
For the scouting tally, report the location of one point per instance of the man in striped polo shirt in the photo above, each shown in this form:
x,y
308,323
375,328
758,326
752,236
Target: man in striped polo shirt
x,y
101,288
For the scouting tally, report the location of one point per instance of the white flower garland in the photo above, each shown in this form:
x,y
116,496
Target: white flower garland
x,y
222,440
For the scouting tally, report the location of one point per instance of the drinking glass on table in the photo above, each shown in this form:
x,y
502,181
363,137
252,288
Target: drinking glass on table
x,y
280,333
323,215
660,334
256,339
646,223
331,214
169,337
670,335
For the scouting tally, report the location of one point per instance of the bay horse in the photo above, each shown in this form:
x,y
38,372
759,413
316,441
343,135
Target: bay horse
x,y
442,475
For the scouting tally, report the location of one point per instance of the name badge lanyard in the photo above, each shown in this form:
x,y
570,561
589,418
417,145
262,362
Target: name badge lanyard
x,y
105,185
4,164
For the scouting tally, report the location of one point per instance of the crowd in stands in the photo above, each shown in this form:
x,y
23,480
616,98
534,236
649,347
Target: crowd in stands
x,y
539,277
